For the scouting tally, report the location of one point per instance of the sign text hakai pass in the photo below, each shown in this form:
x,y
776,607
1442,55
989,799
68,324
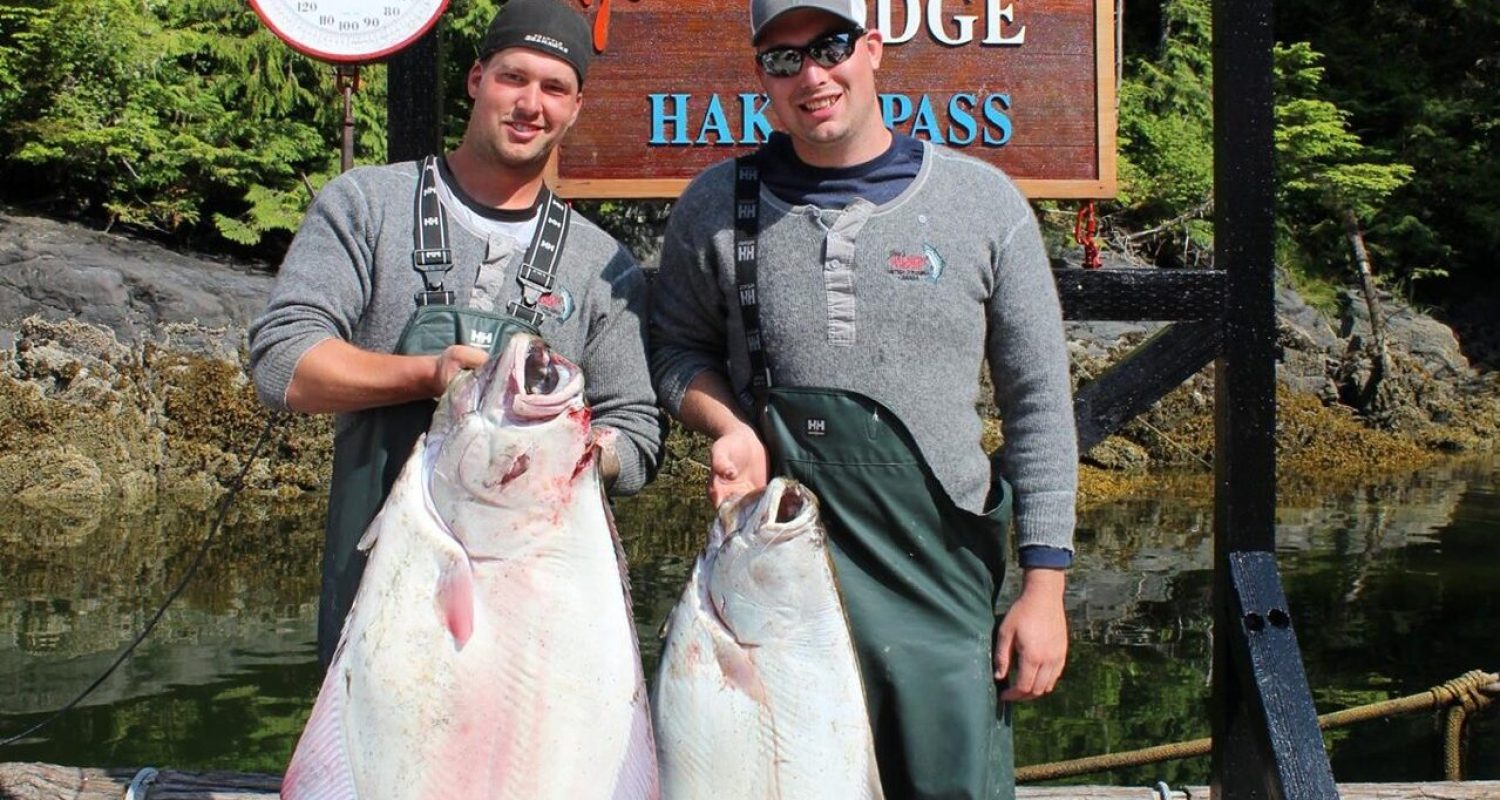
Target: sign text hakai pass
x,y
1028,85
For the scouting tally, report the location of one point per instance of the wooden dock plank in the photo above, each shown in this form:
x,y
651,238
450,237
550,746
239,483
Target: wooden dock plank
x,y
23,781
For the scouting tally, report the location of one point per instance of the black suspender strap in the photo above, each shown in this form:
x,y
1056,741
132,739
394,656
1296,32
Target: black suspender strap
x,y
746,263
538,271
431,255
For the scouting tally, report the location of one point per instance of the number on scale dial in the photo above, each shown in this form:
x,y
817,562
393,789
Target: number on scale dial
x,y
349,31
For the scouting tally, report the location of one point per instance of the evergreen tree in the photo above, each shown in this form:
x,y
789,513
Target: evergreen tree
x,y
1166,136
1418,82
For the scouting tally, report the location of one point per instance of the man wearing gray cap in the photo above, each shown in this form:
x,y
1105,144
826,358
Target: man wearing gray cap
x,y
404,274
823,310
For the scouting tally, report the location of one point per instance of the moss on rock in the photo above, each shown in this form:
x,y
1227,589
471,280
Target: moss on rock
x,y
84,417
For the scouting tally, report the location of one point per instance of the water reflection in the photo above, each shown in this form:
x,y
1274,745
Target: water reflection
x,y
1390,586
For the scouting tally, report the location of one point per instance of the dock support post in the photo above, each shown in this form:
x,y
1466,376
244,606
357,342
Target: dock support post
x,y
1266,742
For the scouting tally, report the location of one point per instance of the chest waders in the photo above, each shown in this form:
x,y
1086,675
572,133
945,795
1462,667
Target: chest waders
x,y
918,574
368,455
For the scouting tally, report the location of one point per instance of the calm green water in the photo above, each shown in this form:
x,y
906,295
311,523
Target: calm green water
x,y
1392,587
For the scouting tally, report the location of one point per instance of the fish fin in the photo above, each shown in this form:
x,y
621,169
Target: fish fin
x,y
455,600
614,538
739,670
372,532
320,765
639,777
367,540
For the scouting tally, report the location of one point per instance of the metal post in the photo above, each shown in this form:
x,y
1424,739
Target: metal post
x,y
347,78
1266,741
414,94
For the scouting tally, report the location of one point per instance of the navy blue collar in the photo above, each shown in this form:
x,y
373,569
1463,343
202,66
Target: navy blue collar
x,y
879,180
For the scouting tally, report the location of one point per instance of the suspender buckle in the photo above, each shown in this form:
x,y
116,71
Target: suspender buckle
x,y
534,282
526,314
539,279
435,298
429,259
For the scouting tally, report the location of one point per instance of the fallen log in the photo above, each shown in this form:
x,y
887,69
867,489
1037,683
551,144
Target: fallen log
x,y
25,781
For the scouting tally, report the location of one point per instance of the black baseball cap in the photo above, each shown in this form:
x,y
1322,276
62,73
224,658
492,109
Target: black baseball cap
x,y
546,26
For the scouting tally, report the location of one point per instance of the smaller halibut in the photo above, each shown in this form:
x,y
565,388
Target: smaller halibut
x,y
758,693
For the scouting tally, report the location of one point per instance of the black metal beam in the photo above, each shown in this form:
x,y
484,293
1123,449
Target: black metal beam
x,y
1133,384
414,100
1254,755
1266,646
1165,295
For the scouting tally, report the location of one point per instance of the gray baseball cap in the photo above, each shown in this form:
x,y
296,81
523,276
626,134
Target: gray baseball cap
x,y
763,11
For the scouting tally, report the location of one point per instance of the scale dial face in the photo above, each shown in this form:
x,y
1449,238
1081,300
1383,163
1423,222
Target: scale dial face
x,y
349,31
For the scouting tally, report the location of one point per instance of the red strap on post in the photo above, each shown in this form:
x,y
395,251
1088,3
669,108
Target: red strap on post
x,y
1084,228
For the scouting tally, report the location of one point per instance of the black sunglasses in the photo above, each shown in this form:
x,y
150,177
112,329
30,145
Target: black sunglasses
x,y
829,50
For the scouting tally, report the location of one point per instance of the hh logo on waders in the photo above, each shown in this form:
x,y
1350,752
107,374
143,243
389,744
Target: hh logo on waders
x,y
817,427
481,339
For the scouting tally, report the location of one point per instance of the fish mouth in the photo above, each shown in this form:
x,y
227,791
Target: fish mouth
x,y
784,502
530,382
782,510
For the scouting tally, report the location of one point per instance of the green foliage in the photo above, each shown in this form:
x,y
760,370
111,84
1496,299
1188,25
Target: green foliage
x,y
188,117
1324,166
636,223
463,26
1166,118
184,117
18,44
1418,82
1318,287
1319,160
1166,137
1324,169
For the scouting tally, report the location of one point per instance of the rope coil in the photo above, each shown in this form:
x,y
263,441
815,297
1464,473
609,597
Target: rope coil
x,y
1461,696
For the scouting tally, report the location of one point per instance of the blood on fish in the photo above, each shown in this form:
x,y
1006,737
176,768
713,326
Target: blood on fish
x,y
584,462
517,467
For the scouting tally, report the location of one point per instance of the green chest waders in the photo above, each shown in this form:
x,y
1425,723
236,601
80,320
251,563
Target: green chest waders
x,y
918,574
369,454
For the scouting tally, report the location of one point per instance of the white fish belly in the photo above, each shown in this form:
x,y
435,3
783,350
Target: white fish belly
x,y
780,720
545,699
712,720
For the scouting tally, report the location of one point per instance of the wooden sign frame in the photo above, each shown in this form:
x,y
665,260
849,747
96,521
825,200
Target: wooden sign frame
x,y
653,55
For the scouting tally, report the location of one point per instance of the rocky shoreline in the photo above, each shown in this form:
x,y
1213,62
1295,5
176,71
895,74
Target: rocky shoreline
x,y
122,376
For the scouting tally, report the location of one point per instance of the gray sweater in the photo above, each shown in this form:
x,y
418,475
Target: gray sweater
x,y
902,302
348,275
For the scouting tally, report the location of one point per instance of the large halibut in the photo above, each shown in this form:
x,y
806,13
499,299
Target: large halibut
x,y
490,652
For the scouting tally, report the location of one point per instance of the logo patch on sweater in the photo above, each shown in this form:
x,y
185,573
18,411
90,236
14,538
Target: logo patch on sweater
x,y
558,304
924,266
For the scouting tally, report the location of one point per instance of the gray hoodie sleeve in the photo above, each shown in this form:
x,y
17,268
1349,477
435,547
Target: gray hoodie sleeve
x,y
321,290
619,383
1028,359
689,321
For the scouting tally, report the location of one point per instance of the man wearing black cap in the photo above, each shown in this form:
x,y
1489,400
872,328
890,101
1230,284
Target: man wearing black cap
x,y
823,310
404,274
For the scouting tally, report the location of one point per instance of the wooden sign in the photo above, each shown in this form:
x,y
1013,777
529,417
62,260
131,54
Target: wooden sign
x,y
1028,85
